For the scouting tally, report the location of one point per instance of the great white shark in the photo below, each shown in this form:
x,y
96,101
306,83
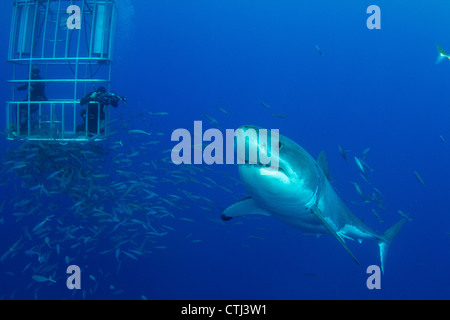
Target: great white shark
x,y
299,194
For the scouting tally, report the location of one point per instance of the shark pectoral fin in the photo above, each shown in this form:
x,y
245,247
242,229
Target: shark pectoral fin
x,y
242,208
317,213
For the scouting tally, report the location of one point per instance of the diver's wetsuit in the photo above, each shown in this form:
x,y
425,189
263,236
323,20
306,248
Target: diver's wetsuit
x,y
97,100
37,89
37,93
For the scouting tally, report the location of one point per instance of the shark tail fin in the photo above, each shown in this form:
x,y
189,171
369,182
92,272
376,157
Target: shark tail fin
x,y
386,240
441,54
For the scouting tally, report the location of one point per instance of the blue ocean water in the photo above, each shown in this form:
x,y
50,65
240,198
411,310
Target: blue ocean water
x,y
377,89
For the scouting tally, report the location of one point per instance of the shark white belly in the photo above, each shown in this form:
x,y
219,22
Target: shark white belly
x,y
299,194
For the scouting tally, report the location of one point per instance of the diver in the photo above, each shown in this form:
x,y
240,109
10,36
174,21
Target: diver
x,y
97,101
36,91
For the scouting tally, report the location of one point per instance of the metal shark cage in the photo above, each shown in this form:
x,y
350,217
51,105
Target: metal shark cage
x,y
48,53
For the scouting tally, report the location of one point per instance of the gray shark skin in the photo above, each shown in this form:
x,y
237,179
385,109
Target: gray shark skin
x,y
299,194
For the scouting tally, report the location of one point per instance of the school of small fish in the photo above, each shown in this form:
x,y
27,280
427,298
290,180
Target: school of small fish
x,y
75,202
375,197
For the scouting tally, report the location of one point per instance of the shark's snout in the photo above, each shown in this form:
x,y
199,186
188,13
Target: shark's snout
x,y
257,146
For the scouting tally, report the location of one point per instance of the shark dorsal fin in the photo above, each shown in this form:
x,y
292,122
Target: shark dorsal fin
x,y
323,163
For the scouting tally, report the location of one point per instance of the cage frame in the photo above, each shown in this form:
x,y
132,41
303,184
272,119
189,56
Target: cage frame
x,y
98,21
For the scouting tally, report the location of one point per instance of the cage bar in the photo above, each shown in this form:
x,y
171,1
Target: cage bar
x,y
64,63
